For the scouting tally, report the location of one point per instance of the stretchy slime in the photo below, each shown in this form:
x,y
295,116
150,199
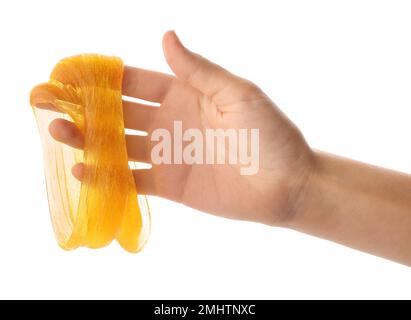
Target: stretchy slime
x,y
104,206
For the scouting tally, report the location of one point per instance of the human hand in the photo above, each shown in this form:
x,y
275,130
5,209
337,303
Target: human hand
x,y
205,96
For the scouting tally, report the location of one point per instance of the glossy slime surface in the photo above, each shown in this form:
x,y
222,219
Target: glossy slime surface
x,y
104,206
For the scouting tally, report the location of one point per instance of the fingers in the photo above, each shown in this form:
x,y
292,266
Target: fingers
x,y
138,148
144,181
145,84
66,132
137,83
207,77
138,116
78,171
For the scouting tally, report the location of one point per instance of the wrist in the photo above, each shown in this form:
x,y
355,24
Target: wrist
x,y
307,195
329,186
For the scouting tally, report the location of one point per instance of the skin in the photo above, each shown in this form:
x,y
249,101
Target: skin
x,y
355,204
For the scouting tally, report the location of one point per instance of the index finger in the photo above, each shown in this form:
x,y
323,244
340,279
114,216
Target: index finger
x,y
146,84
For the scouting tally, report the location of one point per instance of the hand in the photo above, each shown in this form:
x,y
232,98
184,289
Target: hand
x,y
203,95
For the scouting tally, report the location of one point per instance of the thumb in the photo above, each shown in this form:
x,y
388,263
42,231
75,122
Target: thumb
x,y
207,77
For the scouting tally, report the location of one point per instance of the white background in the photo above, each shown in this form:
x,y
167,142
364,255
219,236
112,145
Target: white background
x,y
341,70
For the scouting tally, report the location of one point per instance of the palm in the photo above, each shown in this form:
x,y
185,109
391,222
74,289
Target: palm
x,y
220,189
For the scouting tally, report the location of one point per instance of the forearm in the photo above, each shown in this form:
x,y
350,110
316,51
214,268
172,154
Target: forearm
x,y
358,205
